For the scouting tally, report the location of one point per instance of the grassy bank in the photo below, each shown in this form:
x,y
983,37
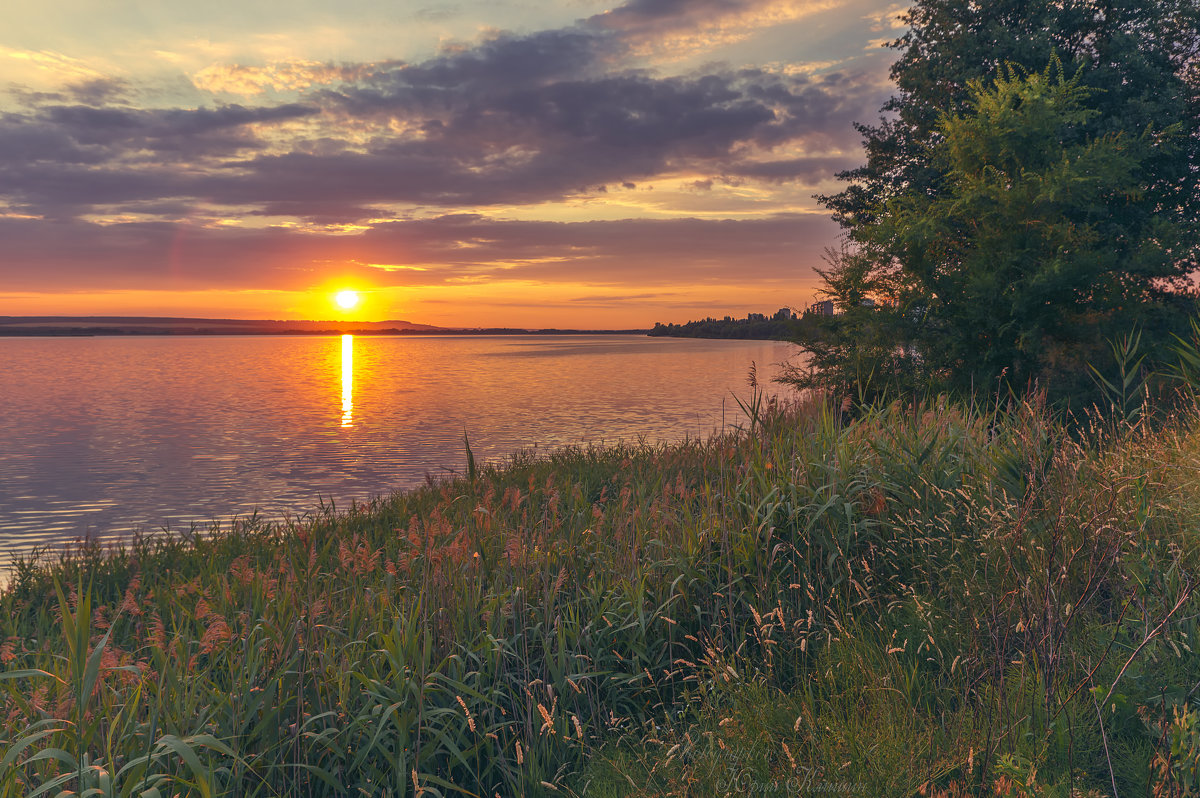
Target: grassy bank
x,y
925,601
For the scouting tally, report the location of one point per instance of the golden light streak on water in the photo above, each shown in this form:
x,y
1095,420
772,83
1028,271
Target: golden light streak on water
x,y
347,380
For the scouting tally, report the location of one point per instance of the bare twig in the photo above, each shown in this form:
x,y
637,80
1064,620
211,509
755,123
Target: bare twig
x,y
1092,672
1104,739
1187,593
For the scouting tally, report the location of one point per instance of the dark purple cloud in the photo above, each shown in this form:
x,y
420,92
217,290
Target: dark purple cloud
x,y
100,91
531,143
121,131
534,144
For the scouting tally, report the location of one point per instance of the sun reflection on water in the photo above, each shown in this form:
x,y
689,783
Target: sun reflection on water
x,y
347,380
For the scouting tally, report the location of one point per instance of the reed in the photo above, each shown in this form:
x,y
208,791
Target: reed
x,y
930,598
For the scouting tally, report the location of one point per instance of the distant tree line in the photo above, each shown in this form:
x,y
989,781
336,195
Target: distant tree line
x,y
783,325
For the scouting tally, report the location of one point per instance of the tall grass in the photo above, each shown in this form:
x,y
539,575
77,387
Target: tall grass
x,y
930,598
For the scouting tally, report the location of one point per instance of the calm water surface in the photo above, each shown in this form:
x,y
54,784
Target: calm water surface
x,y
101,436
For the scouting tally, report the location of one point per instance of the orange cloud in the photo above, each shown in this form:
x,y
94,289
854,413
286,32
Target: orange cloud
x,y
277,76
701,26
888,19
46,66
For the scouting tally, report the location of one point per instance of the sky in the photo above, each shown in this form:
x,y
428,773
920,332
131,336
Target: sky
x,y
522,163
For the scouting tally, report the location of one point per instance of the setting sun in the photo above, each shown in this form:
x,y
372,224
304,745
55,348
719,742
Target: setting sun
x,y
346,299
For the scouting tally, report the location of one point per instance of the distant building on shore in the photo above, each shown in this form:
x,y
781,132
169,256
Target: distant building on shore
x,y
822,308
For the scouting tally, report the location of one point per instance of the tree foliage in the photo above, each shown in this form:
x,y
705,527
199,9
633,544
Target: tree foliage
x,y
1142,57
1006,222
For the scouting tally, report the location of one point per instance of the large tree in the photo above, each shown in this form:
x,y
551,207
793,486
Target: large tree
x,y
1001,240
1143,57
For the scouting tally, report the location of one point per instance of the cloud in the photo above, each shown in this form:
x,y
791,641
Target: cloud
x,y
437,13
450,133
424,157
498,62
604,299
810,171
100,91
445,133
48,64
675,28
160,129
278,76
441,250
70,159
888,19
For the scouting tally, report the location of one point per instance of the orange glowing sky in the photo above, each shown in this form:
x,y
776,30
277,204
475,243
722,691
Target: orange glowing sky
x,y
565,163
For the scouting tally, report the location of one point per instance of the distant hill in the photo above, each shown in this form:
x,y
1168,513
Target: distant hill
x,y
165,325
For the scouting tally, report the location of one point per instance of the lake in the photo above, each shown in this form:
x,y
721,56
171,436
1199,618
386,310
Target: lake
x,y
101,436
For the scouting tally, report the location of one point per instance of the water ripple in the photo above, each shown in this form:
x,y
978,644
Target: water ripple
x,y
104,436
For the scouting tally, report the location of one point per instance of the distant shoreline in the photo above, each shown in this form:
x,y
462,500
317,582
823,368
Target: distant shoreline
x,y
93,326
110,333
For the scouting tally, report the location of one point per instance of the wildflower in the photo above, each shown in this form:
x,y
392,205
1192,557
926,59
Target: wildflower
x,y
158,632
878,503
8,651
100,618
787,751
129,603
467,712
549,722
216,634
241,570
